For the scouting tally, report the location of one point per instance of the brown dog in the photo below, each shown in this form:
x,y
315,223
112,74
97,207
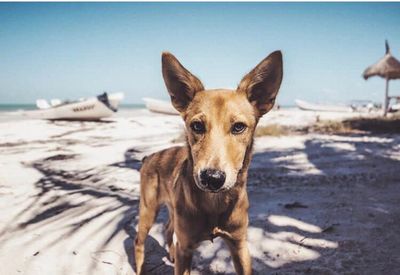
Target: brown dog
x,y
203,183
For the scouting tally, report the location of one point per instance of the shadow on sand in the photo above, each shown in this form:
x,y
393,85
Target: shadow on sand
x,y
276,226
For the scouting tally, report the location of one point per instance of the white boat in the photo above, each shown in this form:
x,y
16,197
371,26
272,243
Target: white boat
x,y
396,106
160,106
304,105
93,108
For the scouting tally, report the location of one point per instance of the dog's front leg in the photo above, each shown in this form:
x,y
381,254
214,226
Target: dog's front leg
x,y
240,255
183,259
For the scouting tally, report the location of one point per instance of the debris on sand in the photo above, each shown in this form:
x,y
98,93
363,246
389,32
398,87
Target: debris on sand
x,y
295,204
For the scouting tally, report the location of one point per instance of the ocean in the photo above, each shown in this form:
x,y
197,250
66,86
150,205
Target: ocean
x,y
12,112
16,107
26,107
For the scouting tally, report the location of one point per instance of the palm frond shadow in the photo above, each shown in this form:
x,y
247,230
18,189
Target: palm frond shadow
x,y
64,200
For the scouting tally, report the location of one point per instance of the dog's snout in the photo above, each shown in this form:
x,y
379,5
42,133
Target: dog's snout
x,y
212,179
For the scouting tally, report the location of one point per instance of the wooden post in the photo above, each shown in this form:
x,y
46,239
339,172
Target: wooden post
x,y
386,102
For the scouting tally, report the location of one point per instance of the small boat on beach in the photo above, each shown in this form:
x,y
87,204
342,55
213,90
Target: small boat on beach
x,y
160,106
93,108
360,106
307,106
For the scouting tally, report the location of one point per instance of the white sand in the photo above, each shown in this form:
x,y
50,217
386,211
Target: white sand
x,y
69,196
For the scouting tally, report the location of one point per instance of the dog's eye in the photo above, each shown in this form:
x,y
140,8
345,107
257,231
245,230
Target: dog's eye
x,y
238,128
198,127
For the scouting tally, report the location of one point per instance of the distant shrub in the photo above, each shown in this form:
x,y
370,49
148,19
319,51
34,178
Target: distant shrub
x,y
380,125
330,127
271,130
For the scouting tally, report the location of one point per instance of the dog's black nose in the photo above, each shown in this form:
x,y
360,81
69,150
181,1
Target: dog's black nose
x,y
212,179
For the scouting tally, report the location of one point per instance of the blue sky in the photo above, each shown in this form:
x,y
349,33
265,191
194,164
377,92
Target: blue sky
x,y
71,50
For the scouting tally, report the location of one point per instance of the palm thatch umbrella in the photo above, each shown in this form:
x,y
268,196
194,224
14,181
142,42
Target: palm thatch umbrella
x,y
388,68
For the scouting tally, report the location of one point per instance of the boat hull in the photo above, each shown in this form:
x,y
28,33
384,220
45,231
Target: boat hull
x,y
160,106
90,109
307,106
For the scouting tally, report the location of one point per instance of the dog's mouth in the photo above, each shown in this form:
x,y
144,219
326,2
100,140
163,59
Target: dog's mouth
x,y
207,187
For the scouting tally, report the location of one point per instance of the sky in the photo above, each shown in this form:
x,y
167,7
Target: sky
x,y
74,50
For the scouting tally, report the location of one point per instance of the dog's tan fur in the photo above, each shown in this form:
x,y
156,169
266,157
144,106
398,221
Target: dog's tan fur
x,y
172,176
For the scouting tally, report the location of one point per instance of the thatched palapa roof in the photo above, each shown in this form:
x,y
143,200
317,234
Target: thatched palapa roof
x,y
388,67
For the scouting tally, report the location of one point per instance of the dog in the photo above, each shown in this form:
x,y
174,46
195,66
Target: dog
x,y
203,184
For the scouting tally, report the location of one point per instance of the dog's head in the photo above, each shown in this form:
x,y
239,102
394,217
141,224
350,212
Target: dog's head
x,y
220,123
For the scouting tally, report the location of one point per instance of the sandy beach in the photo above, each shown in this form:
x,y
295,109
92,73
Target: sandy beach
x,y
320,203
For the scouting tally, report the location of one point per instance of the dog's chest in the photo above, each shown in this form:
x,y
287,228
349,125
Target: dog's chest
x,y
211,227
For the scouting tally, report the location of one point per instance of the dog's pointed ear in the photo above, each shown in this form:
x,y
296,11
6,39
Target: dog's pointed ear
x,y
181,84
261,85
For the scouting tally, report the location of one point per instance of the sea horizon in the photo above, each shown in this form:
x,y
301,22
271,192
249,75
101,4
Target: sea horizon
x,y
4,107
12,107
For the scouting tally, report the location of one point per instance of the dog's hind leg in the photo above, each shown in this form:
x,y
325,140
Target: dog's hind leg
x,y
148,209
169,234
